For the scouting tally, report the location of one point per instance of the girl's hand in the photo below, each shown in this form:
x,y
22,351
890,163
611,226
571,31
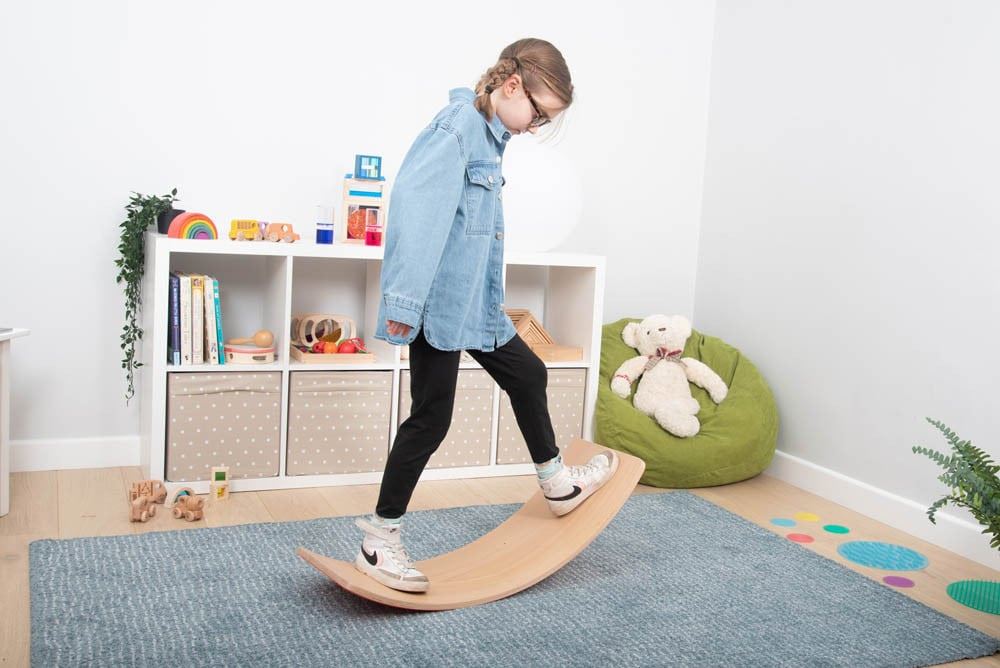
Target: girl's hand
x,y
397,328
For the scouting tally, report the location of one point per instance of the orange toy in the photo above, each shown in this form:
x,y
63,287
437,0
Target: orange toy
x,y
187,505
281,232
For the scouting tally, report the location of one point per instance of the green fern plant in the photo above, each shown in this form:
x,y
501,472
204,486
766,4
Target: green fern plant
x,y
142,211
972,477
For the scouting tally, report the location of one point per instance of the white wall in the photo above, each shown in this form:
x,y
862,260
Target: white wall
x,y
252,109
849,233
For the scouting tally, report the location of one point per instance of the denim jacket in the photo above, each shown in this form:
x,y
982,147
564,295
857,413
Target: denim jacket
x,y
443,263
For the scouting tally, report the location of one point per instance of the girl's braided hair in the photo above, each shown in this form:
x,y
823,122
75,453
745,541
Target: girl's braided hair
x,y
537,62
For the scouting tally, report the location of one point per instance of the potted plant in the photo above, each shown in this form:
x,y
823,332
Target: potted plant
x,y
972,477
142,212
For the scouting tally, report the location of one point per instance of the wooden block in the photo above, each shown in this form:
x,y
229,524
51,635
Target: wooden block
x,y
551,352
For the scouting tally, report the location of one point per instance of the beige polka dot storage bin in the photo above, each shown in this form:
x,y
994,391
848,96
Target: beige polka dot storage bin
x,y
223,419
468,440
338,421
565,391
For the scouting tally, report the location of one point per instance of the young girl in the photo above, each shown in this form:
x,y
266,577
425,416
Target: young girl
x,y
442,292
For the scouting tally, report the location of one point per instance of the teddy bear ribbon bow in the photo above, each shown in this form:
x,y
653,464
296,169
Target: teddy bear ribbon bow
x,y
662,354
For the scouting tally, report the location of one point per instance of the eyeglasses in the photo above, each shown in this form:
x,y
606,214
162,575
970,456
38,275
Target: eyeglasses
x,y
540,119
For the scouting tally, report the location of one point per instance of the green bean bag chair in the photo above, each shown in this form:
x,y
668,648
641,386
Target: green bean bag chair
x,y
737,437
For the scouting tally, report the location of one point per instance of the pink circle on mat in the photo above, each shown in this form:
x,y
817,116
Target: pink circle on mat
x,y
799,537
898,581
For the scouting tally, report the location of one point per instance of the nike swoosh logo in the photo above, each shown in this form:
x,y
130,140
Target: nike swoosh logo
x,y
370,558
576,492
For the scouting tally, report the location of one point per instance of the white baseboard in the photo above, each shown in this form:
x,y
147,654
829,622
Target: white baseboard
x,y
952,533
74,453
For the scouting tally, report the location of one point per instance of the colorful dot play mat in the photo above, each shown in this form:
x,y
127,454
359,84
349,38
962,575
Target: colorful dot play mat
x,y
885,556
977,594
192,226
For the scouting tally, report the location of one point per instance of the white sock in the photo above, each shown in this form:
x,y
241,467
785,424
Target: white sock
x,y
546,470
385,521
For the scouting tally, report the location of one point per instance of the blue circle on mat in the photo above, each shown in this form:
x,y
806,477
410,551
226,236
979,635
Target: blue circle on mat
x,y
783,522
886,556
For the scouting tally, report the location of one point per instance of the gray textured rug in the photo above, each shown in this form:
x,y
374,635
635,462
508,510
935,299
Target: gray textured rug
x,y
673,580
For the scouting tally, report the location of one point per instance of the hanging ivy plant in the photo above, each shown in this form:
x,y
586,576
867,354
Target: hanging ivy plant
x,y
142,212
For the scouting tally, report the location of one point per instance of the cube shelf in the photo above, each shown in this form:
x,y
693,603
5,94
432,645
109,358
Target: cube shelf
x,y
333,424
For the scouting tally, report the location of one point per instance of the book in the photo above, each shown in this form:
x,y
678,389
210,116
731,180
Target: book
x,y
185,317
197,319
211,344
174,320
218,322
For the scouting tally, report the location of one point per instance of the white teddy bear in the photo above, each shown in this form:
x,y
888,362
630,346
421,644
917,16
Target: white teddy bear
x,y
663,392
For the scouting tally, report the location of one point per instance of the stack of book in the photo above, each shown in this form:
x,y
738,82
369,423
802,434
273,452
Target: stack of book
x,y
195,321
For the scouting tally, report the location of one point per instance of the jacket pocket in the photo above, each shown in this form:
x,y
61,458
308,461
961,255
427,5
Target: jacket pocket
x,y
483,181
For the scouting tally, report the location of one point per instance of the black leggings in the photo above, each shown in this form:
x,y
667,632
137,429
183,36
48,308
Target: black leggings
x,y
433,375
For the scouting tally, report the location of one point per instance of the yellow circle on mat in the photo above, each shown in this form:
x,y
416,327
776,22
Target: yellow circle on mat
x,y
807,517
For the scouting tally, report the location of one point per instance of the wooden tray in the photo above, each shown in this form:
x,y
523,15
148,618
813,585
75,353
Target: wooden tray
x,y
333,358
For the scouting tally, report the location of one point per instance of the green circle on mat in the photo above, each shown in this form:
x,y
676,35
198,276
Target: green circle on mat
x,y
836,528
977,594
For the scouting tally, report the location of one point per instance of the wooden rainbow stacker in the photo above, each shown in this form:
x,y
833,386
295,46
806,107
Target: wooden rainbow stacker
x,y
529,546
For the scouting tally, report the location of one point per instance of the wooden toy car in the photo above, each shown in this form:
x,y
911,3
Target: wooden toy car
x,y
188,506
151,488
281,232
243,229
141,508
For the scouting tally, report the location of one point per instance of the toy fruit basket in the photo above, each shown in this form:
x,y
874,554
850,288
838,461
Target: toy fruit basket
x,y
318,331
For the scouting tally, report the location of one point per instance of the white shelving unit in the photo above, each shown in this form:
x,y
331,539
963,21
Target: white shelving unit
x,y
263,284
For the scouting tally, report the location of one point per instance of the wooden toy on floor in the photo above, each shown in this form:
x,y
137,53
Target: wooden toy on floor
x,y
220,483
141,508
151,488
187,505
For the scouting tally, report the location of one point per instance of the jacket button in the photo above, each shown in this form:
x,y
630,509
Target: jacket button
x,y
490,178
499,235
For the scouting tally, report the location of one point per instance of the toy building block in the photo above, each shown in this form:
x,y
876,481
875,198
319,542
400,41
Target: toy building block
x,y
219,486
363,207
368,167
187,505
541,343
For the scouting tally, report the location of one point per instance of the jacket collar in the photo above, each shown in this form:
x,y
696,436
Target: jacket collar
x,y
496,126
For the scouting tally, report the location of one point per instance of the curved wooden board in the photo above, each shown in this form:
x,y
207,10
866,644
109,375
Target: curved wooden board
x,y
529,546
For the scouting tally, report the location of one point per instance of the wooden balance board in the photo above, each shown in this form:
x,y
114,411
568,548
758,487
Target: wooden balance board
x,y
529,546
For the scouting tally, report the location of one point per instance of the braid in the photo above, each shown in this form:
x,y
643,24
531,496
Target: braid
x,y
491,80
537,62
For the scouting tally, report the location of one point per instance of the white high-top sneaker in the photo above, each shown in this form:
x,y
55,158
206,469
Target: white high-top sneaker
x,y
384,558
568,488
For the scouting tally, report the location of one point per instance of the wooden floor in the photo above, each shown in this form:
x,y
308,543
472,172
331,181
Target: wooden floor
x,y
90,502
